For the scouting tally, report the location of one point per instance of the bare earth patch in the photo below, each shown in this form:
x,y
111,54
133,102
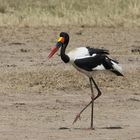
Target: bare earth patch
x,y
39,98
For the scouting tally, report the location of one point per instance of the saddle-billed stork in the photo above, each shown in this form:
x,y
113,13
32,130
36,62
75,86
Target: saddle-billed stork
x,y
86,60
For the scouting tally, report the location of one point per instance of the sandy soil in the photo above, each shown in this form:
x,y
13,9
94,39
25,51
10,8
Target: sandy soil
x,y
38,97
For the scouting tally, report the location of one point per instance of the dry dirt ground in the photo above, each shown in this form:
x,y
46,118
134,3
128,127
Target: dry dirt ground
x,y
39,97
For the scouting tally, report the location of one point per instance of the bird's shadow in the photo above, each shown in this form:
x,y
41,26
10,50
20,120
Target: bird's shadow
x,y
111,127
106,127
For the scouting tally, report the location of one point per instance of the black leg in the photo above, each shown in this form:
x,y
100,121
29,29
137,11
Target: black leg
x,y
98,90
98,94
92,103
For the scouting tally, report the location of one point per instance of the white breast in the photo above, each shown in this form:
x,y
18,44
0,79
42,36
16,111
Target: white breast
x,y
78,53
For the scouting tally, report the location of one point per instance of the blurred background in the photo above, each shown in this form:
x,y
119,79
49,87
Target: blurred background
x,y
107,13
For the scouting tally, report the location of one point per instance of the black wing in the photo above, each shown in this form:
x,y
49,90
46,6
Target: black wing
x,y
89,63
97,51
92,62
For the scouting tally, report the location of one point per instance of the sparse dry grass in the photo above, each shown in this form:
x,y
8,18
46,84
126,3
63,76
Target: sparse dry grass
x,y
54,79
74,12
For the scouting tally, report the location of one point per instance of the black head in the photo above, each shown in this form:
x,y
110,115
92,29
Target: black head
x,y
65,36
62,41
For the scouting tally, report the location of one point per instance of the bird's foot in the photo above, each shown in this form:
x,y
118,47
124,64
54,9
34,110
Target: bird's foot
x,y
92,128
76,118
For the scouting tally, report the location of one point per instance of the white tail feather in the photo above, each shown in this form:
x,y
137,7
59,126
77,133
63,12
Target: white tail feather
x,y
116,66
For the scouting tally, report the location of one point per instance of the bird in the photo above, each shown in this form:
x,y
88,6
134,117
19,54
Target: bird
x,y
86,60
